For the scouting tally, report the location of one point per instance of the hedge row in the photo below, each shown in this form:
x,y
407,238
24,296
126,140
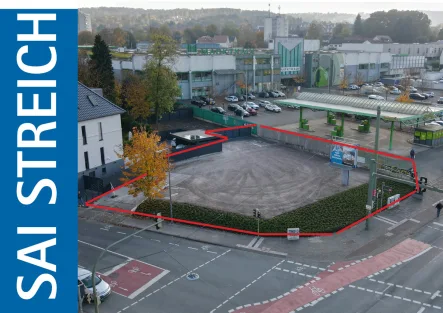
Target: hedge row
x,y
326,215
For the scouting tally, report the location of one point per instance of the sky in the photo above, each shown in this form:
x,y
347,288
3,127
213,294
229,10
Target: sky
x,y
293,6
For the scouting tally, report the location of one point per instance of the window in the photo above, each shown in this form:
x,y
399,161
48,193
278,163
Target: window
x,y
100,131
266,72
102,155
86,160
104,169
277,72
385,65
389,50
182,77
363,66
84,135
372,66
247,61
263,61
201,76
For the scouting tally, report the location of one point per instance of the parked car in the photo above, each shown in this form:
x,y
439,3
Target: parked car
x,y
231,99
198,102
273,108
430,94
102,287
417,96
263,94
439,123
252,105
241,111
281,94
353,87
375,97
412,89
440,100
263,103
379,84
207,100
233,106
251,96
250,110
395,91
273,94
240,97
218,110
440,81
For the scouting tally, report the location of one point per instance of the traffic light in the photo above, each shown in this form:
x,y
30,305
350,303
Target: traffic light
x,y
256,213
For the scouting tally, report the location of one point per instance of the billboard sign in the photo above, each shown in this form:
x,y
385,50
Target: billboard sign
x,y
345,156
294,231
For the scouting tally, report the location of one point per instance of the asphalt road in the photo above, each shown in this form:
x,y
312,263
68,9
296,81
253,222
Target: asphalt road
x,y
148,274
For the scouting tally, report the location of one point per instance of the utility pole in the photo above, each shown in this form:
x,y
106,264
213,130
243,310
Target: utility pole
x,y
80,300
170,189
101,255
331,64
372,186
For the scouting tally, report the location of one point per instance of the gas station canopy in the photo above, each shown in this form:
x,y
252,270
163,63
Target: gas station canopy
x,y
390,110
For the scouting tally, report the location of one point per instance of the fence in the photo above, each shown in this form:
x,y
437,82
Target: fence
x,y
224,120
390,166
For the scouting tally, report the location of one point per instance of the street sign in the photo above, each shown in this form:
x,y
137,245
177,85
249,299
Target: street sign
x,y
293,231
374,192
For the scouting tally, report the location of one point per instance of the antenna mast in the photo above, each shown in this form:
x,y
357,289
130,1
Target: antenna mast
x,y
269,10
279,10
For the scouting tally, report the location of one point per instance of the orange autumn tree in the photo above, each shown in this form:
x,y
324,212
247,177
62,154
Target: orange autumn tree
x,y
404,97
145,155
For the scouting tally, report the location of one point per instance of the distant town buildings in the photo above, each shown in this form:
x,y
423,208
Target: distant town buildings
x,y
84,22
222,40
276,26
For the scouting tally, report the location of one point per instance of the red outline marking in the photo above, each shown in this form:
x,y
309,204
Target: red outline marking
x,y
221,139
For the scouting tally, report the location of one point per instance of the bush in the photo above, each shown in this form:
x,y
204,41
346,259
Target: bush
x,y
326,215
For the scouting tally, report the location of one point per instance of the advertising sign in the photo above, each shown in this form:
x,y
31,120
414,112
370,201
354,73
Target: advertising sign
x,y
293,231
394,198
290,69
344,156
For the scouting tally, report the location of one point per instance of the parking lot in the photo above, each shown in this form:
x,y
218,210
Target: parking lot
x,y
253,173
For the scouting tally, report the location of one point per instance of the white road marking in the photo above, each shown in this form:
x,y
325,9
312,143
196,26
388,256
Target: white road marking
x,y
438,224
259,242
435,295
252,242
417,255
437,202
149,284
119,232
116,268
137,236
211,252
192,248
174,244
414,220
383,220
155,240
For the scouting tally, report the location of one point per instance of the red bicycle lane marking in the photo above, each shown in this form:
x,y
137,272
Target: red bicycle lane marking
x,y
133,278
304,295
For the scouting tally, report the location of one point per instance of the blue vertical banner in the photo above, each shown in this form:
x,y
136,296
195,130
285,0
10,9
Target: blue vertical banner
x,y
39,154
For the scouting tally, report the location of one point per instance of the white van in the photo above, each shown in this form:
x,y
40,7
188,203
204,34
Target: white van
x,y
103,289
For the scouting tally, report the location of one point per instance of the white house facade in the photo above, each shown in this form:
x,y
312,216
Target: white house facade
x,y
100,138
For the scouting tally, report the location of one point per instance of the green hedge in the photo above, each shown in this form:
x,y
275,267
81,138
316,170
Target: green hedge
x,y
326,215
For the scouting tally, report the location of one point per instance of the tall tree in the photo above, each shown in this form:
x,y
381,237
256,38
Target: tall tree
x,y
314,31
230,29
145,155
341,30
161,80
131,43
134,95
86,75
177,36
260,40
189,36
101,64
211,30
106,35
119,37
358,26
85,38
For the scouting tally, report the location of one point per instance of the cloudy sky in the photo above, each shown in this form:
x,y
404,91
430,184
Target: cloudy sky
x,y
293,6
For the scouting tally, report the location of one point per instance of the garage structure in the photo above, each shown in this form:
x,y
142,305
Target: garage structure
x,y
405,113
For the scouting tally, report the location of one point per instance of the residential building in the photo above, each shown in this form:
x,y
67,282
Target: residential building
x,y
84,22
143,46
222,40
99,140
276,26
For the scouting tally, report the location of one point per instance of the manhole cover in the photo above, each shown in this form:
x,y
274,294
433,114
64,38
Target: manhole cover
x,y
192,276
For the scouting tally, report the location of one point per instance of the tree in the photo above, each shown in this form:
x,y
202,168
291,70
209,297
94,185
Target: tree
x,y
230,29
343,84
101,64
359,80
358,26
189,36
145,155
177,36
119,37
86,75
249,45
106,34
314,31
85,38
134,97
260,40
131,43
161,80
211,30
440,34
341,30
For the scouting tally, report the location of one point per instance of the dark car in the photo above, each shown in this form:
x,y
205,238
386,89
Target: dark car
x,y
198,102
218,110
233,107
263,94
240,97
417,96
440,100
207,100
241,112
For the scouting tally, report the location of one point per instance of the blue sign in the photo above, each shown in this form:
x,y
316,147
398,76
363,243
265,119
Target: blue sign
x,y
345,156
39,154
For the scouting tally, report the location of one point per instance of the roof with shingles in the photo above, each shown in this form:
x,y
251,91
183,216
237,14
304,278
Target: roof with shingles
x,y
92,106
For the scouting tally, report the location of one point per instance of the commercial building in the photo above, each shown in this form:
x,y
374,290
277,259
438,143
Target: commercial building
x,y
355,66
275,26
216,72
84,22
290,51
99,140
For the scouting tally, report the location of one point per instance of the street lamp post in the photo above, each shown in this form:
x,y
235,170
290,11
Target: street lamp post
x,y
101,255
373,170
170,189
